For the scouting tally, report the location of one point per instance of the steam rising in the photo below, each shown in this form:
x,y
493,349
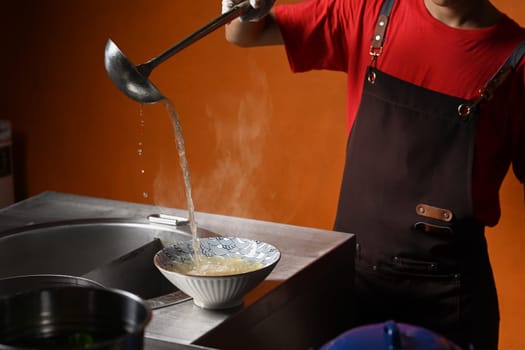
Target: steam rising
x,y
240,140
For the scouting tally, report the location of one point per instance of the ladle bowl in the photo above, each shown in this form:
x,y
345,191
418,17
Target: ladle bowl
x,y
133,80
127,77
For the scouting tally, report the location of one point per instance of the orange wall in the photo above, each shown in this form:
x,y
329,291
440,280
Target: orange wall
x,y
261,142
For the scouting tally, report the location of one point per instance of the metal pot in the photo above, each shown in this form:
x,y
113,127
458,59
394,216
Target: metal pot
x,y
73,318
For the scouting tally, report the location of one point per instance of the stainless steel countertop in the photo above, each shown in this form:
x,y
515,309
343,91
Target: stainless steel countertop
x,y
306,261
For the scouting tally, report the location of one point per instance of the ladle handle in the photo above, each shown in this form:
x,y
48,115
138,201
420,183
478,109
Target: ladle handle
x,y
226,17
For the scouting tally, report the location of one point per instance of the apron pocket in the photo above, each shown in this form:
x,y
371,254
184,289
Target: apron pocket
x,y
438,230
415,267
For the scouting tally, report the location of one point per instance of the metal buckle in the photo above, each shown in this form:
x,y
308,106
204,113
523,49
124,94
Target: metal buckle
x,y
371,76
375,52
486,93
464,110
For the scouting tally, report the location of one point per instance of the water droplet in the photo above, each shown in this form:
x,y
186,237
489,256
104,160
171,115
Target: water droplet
x,y
145,194
142,171
139,151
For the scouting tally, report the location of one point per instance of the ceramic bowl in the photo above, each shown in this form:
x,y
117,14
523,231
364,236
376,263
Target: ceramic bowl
x,y
222,291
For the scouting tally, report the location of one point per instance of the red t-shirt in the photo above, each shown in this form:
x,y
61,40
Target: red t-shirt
x,y
336,35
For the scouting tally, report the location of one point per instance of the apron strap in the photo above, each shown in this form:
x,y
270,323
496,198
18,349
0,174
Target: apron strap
x,y
517,55
379,36
487,91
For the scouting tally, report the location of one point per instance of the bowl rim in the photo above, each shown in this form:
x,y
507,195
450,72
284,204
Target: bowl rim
x,y
242,274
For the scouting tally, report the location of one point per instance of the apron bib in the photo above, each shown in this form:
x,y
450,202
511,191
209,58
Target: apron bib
x,y
406,185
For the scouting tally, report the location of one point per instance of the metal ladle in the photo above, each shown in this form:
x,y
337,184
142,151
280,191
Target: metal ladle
x,y
133,80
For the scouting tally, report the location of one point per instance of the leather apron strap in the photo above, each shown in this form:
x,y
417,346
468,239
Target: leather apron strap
x,y
378,39
487,91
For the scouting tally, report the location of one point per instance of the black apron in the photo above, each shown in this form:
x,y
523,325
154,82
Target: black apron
x,y
406,194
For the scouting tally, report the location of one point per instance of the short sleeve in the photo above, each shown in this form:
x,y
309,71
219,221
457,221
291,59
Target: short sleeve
x,y
314,33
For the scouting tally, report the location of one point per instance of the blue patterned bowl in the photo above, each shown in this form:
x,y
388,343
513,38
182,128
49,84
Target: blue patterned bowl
x,y
217,291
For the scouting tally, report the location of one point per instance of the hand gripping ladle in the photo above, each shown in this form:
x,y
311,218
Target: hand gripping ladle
x,y
133,80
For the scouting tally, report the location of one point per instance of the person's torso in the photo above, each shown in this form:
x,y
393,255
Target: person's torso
x,y
423,51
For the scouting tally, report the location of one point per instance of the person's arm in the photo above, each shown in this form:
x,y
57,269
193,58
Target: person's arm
x,y
257,27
